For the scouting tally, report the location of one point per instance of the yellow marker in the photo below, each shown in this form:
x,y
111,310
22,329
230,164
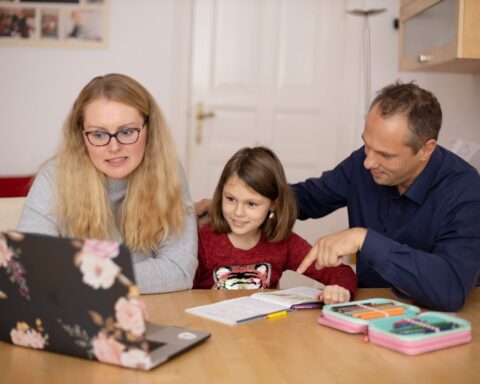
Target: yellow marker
x,y
277,314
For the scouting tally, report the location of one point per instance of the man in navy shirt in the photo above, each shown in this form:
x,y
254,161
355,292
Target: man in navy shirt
x,y
413,206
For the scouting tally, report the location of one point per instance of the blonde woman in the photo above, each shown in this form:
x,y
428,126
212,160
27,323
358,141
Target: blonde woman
x,y
116,176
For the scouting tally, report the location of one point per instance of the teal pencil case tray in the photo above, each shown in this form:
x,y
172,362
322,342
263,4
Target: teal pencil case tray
x,y
397,326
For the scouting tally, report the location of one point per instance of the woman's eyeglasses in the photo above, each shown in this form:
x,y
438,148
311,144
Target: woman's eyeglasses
x,y
124,136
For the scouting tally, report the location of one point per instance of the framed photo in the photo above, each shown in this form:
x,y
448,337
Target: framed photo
x,y
49,24
17,23
76,23
84,25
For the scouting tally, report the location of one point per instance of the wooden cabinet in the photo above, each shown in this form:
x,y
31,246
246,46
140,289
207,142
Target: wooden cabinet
x,y
440,35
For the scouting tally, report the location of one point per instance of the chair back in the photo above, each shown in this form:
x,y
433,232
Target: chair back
x,y
10,212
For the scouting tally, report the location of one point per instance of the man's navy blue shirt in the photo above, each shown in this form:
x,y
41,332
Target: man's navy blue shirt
x,y
425,242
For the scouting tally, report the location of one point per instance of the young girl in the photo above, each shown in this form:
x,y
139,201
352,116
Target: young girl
x,y
249,242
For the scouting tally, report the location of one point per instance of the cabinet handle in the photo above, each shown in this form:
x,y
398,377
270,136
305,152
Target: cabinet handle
x,y
423,58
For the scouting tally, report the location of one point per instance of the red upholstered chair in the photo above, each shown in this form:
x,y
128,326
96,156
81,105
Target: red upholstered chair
x,y
15,186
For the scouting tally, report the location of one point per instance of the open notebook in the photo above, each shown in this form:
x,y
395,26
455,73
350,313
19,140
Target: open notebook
x,y
78,297
263,304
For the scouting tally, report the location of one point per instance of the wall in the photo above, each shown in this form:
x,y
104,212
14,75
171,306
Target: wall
x,y
39,84
149,41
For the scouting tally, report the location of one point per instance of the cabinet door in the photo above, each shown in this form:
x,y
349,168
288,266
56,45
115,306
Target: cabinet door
x,y
436,35
435,27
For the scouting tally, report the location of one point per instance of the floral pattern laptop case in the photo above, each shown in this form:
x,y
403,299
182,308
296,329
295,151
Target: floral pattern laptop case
x,y
83,304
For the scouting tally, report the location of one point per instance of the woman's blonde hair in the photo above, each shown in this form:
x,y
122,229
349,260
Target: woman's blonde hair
x,y
153,205
261,170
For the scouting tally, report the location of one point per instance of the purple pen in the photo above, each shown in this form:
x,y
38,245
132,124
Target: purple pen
x,y
307,305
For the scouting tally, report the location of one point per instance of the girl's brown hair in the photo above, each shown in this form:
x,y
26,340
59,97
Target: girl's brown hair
x,y
153,204
261,170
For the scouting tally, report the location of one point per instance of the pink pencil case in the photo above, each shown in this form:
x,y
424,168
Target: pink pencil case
x,y
397,326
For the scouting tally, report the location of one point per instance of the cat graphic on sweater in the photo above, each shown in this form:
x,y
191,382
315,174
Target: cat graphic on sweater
x,y
250,276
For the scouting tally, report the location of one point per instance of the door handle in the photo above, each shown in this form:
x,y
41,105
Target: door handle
x,y
200,114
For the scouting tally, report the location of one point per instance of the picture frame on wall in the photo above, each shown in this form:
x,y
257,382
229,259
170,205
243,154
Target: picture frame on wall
x,y
51,1
74,23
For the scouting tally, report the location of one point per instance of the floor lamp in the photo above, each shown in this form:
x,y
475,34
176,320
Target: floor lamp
x,y
366,51
366,62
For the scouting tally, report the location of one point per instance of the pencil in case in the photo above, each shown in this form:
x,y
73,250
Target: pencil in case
x,y
396,325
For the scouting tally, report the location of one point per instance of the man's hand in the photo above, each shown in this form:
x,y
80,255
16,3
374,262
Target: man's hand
x,y
329,250
201,211
334,294
202,206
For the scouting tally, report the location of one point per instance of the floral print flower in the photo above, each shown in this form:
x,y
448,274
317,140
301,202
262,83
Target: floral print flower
x,y
131,315
5,253
136,358
98,272
107,349
25,336
96,265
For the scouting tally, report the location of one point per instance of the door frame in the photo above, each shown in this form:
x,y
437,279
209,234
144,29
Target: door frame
x,y
179,119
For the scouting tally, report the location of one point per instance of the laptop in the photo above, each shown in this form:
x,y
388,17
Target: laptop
x,y
79,298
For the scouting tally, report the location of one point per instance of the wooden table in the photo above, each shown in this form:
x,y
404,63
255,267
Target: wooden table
x,y
292,349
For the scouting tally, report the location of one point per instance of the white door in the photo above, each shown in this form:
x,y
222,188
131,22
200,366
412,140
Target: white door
x,y
270,72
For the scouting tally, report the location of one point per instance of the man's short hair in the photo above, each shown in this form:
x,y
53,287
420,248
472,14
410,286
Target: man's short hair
x,y
419,106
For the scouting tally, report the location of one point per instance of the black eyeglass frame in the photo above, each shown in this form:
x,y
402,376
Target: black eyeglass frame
x,y
138,130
